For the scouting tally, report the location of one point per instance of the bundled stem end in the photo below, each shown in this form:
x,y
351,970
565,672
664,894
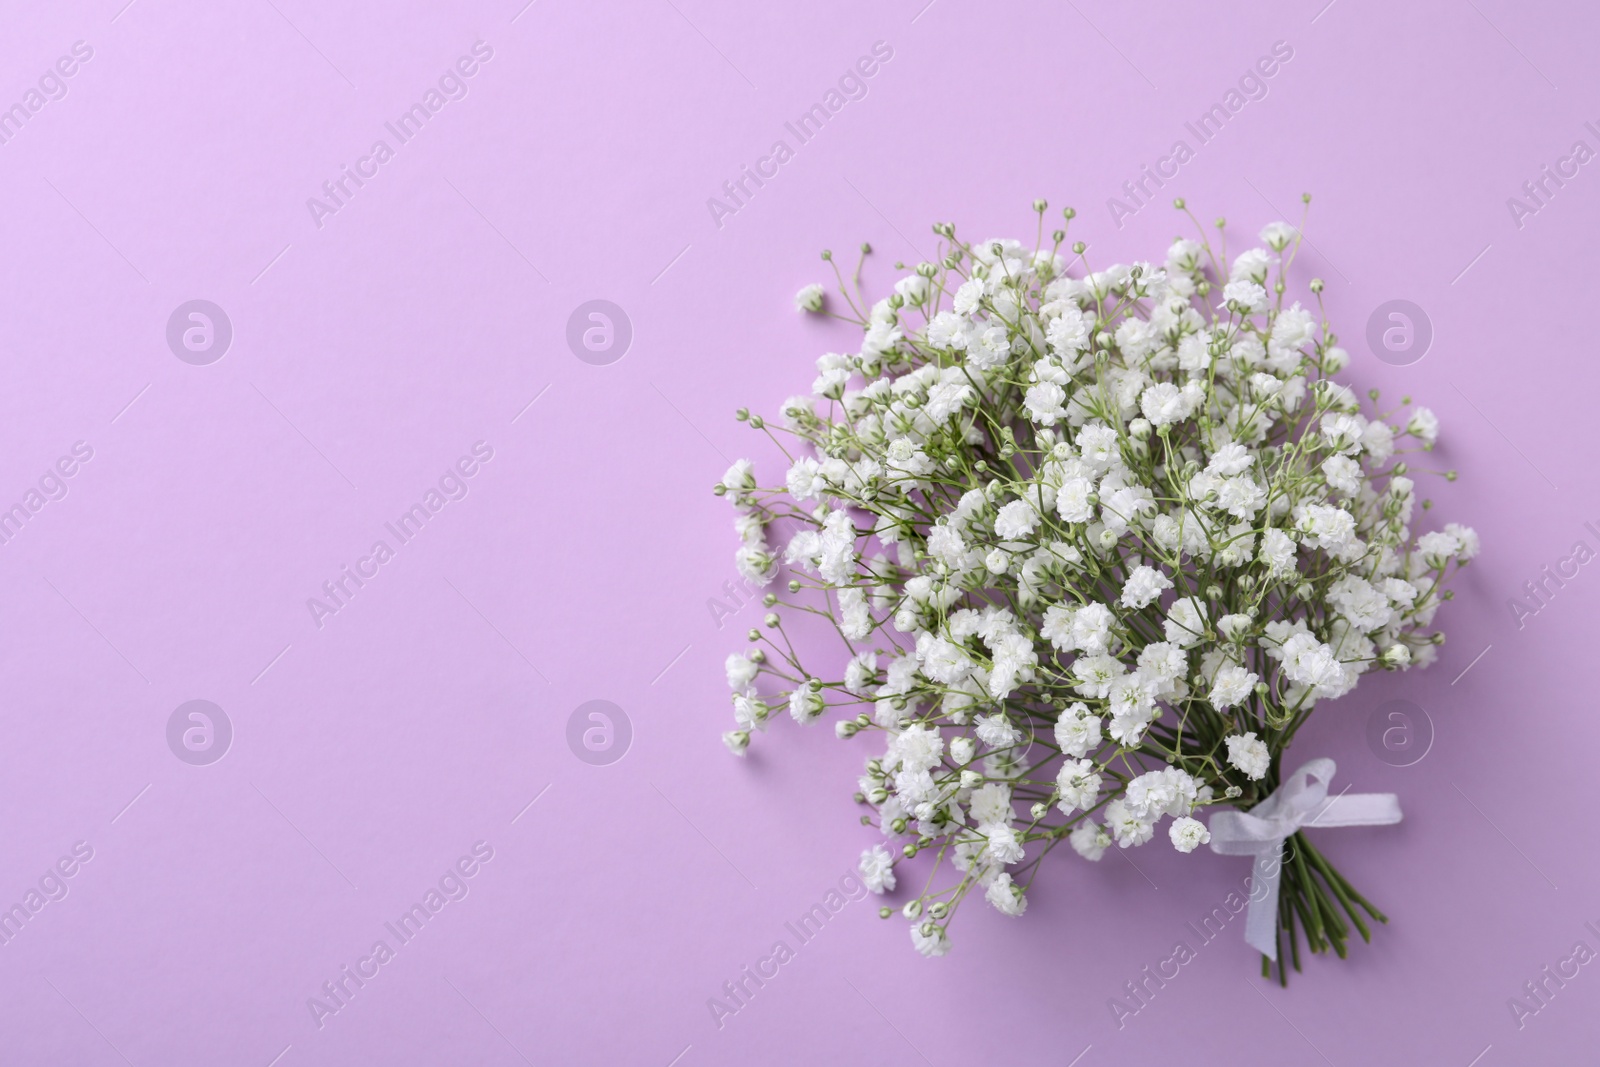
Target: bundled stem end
x,y
1315,900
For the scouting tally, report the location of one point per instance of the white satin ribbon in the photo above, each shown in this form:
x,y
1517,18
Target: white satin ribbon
x,y
1300,800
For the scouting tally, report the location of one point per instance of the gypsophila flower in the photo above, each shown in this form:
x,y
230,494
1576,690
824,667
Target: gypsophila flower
x,y
1078,785
1233,683
877,869
1006,896
929,939
741,671
1002,845
1016,519
1077,732
1188,834
1185,624
991,803
1249,755
1424,426
1089,839
1126,827
1092,540
1466,539
740,476
1276,236
1143,586
805,703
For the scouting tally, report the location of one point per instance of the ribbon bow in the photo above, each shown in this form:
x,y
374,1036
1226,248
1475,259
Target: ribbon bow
x,y
1300,800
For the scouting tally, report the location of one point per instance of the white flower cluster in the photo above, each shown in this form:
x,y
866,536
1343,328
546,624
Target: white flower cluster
x,y
1095,544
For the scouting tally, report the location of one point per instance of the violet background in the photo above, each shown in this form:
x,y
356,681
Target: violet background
x,y
425,716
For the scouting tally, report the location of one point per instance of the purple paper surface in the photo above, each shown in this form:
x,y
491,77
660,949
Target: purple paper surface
x,y
392,350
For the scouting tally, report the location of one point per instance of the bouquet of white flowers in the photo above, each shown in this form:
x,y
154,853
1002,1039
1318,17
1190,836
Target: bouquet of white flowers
x,y
1095,544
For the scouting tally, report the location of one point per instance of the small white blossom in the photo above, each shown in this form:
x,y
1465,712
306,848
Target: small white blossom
x,y
1185,624
1232,685
929,939
1130,830
1078,784
877,869
1188,834
1424,426
1089,839
1249,755
1276,236
1144,584
1077,732
1017,519
1006,896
